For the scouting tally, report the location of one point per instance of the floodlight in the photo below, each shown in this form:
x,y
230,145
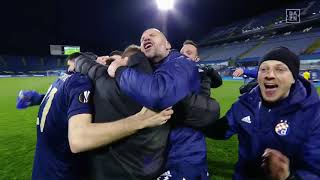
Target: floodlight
x,y
165,4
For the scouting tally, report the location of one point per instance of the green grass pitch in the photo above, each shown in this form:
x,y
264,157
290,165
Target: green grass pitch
x,y
18,133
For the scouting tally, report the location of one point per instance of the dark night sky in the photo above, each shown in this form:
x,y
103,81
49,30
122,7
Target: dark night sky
x,y
29,27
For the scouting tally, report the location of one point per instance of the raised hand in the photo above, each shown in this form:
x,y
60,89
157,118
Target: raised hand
x,y
28,98
118,62
238,72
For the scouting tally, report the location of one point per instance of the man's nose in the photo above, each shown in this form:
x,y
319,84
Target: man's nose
x,y
146,38
270,74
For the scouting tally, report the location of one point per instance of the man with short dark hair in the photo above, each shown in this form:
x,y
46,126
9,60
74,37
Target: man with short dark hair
x,y
190,49
181,162
64,127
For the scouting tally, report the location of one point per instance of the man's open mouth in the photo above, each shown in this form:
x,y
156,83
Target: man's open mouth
x,y
270,86
270,89
147,45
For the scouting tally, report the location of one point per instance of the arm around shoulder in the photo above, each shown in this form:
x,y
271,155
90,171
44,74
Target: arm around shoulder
x,y
200,110
84,135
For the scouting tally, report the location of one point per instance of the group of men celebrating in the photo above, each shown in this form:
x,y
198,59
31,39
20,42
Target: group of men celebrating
x,y
108,118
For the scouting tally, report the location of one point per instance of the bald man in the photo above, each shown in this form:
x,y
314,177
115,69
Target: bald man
x,y
175,76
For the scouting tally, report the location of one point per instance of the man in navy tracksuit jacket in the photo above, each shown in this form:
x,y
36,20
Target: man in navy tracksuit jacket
x,y
184,160
174,77
278,123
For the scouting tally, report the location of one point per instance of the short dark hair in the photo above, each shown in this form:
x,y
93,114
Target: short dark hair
x,y
73,56
130,50
116,52
190,42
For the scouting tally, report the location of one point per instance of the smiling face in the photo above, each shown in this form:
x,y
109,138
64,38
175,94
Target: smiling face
x,y
154,45
190,51
275,80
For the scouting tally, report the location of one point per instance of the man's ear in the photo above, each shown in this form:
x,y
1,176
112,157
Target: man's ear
x,y
168,45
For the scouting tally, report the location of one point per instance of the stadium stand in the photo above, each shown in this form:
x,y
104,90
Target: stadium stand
x,y
243,43
225,52
30,65
297,43
33,61
263,22
3,63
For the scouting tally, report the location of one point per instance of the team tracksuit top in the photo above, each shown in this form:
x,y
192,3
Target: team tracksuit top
x,y
291,126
